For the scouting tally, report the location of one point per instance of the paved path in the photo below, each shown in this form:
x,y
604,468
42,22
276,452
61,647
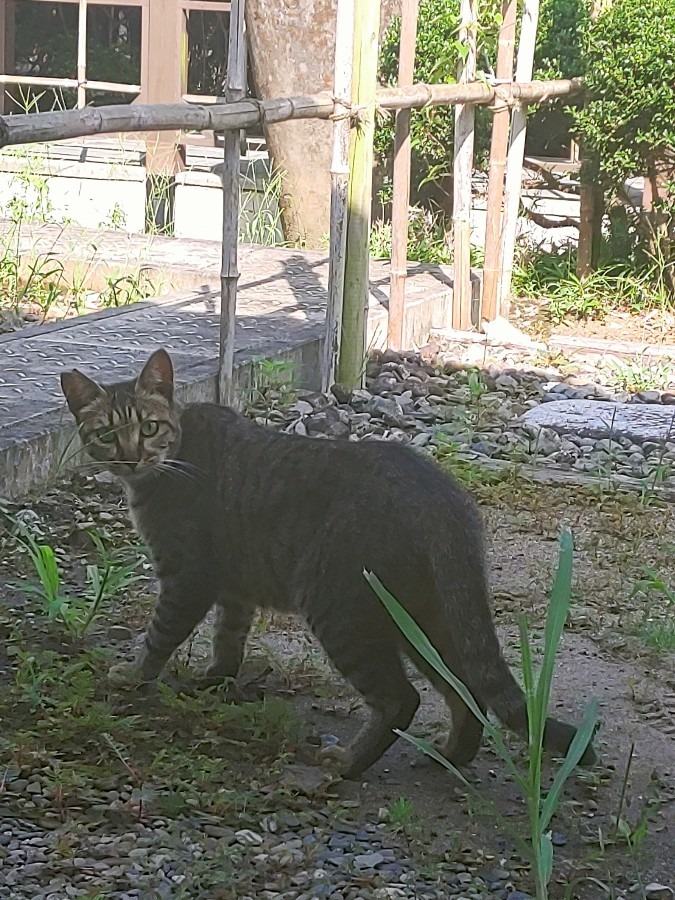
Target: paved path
x,y
281,307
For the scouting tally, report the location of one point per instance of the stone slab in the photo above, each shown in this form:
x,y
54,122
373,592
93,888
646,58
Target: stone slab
x,y
593,419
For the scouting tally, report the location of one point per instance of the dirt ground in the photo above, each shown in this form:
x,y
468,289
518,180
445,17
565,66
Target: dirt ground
x,y
646,326
616,648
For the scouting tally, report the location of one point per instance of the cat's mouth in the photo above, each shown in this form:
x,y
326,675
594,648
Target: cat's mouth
x,y
133,469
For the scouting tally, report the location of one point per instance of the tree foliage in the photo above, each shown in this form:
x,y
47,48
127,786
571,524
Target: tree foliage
x,y
628,121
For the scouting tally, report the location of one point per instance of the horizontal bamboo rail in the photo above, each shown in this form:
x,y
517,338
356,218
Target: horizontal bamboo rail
x,y
39,81
62,125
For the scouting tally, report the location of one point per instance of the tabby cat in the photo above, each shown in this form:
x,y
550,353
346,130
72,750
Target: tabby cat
x,y
237,516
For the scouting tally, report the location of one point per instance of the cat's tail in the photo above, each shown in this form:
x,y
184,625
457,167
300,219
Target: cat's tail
x,y
495,686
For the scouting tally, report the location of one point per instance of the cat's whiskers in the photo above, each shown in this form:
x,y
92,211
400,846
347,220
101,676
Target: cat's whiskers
x,y
179,468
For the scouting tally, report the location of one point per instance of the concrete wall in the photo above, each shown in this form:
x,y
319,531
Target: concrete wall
x,y
103,194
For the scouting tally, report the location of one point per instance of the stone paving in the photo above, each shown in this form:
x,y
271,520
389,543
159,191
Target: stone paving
x,y
280,310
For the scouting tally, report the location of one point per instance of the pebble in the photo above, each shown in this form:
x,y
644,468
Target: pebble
x,y
483,422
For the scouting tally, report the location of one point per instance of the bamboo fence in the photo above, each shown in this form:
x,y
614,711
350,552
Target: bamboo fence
x,y
67,124
235,90
350,218
462,170
401,180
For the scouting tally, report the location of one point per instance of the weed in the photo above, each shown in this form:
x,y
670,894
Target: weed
x,y
110,578
551,277
260,218
399,815
427,238
32,202
541,807
116,220
273,383
639,375
123,290
656,623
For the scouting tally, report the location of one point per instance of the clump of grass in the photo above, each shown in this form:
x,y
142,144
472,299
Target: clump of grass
x,y
640,375
541,806
114,574
427,238
122,290
260,220
656,623
551,277
273,384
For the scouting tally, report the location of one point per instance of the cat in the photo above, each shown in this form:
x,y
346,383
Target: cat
x,y
237,516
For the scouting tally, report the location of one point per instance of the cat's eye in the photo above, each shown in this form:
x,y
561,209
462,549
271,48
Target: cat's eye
x,y
149,428
105,435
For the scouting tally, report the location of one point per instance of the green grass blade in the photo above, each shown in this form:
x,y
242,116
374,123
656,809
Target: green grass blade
x,y
536,714
545,861
423,645
557,615
574,754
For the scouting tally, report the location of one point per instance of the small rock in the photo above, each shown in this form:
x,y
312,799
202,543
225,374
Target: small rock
x,y
388,409
341,393
655,891
368,860
248,838
120,633
506,383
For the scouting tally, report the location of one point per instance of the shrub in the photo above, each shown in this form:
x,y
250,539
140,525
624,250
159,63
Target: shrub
x,y
628,121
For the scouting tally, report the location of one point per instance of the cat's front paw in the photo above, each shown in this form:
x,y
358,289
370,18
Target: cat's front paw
x,y
127,675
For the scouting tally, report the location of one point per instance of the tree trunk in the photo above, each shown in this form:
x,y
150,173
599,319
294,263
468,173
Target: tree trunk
x,y
292,52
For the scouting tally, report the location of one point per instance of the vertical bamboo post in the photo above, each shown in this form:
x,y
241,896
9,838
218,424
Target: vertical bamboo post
x,y
82,54
401,183
342,92
351,361
587,219
229,274
516,154
498,149
465,114
590,198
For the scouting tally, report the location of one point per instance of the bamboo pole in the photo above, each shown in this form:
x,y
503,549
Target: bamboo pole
x,y
498,149
401,182
229,274
66,124
587,219
81,54
465,115
37,81
342,93
351,361
516,154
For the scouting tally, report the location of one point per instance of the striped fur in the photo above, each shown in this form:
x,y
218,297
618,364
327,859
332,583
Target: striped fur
x,y
240,517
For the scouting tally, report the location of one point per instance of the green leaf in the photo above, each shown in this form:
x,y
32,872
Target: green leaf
x,y
571,761
545,858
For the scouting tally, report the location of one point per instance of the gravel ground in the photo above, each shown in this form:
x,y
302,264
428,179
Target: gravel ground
x,y
101,832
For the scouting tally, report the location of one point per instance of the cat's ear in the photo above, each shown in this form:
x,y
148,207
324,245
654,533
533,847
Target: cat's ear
x,y
79,391
157,375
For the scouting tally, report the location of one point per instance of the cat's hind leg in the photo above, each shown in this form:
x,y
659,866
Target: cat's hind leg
x,y
373,665
464,739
